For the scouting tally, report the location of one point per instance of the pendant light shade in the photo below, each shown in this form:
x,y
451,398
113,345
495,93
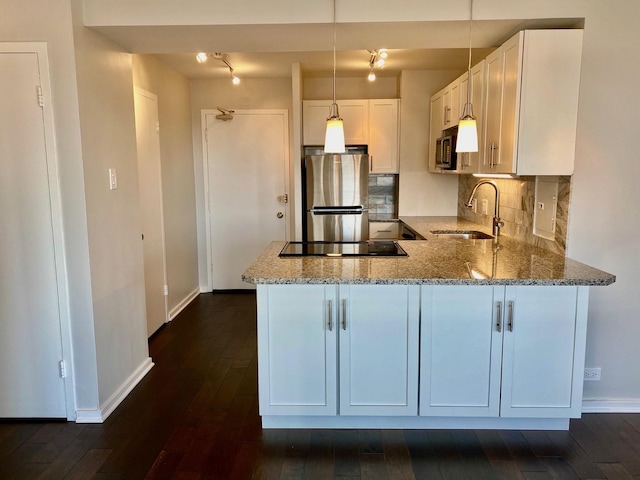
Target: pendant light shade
x,y
467,140
334,136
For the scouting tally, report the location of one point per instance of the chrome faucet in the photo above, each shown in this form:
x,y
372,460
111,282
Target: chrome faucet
x,y
497,223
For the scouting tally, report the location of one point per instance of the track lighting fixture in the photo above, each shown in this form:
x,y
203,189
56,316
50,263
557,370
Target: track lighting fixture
x,y
377,58
223,57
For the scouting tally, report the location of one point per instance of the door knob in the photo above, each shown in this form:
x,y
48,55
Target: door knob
x,y
279,214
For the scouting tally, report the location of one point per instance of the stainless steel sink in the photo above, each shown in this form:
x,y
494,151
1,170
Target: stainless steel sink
x,y
465,234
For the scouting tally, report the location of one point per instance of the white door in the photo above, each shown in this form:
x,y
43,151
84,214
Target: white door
x,y
246,164
30,310
297,335
150,184
378,334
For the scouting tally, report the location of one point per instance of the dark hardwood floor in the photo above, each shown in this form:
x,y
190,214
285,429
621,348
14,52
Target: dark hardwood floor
x,y
195,416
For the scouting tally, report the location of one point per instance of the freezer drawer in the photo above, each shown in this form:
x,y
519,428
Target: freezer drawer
x,y
338,227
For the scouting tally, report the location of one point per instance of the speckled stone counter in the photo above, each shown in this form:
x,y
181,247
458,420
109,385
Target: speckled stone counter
x,y
433,261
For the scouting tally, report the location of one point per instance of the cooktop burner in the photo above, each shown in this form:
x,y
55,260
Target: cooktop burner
x,y
378,248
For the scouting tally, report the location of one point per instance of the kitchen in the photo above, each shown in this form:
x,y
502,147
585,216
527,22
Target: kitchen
x,y
598,192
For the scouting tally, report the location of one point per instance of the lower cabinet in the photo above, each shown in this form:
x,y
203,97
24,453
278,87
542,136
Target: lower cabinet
x,y
465,351
515,351
347,350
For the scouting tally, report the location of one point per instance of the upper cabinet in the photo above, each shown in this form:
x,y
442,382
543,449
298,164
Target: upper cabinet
x,y
366,122
532,104
354,113
525,98
384,133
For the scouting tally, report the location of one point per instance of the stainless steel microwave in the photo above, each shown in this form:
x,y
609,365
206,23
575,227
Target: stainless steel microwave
x,y
446,151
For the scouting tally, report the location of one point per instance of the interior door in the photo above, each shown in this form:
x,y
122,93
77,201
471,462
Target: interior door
x,y
30,327
150,184
246,164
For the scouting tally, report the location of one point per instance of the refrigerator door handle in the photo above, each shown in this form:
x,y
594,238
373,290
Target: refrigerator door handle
x,y
338,210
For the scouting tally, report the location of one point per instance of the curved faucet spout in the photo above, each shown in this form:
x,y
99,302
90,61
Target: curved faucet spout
x,y
497,223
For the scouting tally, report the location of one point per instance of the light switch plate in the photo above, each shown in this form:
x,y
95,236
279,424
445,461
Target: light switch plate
x,y
113,179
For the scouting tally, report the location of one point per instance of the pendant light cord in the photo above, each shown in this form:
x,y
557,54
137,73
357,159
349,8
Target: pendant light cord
x,y
469,67
334,51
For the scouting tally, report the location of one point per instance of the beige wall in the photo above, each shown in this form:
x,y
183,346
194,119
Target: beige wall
x,y
105,100
250,94
350,88
178,182
421,192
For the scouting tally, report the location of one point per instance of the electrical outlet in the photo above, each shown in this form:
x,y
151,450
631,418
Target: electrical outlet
x,y
485,206
474,204
592,374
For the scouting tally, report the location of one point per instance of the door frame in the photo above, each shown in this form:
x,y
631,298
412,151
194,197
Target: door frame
x,y
154,98
55,202
205,180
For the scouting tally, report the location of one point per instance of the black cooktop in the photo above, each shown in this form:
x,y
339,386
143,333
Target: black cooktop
x,y
377,248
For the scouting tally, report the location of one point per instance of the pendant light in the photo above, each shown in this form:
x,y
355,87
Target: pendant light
x,y
467,140
334,137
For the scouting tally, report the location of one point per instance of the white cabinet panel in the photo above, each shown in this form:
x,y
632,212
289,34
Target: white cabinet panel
x,y
379,350
297,346
461,346
354,113
540,357
383,135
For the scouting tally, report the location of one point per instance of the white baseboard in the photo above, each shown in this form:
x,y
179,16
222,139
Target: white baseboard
x,y
610,406
173,313
106,409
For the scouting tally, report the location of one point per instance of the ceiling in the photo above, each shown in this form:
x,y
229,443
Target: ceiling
x,y
268,51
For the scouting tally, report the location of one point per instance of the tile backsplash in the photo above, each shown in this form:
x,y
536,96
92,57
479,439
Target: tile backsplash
x,y
383,195
517,197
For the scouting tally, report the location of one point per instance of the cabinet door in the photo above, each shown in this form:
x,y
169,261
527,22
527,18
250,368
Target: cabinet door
x,y
511,52
435,128
493,108
297,345
383,135
460,350
355,114
379,349
539,376
470,162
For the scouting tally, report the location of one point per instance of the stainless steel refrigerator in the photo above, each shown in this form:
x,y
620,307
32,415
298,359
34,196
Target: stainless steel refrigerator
x,y
336,197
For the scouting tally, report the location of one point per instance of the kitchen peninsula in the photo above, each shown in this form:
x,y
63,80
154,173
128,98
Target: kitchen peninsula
x,y
458,334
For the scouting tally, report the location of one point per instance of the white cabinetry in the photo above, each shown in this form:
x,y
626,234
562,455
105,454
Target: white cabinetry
x,y
469,162
379,350
299,329
507,351
532,103
366,122
355,114
384,131
435,127
384,230
297,350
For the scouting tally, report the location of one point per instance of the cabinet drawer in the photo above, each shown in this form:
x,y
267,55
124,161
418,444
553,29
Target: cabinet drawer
x,y
384,230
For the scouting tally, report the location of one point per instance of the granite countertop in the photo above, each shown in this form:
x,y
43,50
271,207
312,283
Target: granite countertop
x,y
433,261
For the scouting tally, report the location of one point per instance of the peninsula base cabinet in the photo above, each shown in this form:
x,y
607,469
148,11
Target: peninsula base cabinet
x,y
365,356
515,351
328,350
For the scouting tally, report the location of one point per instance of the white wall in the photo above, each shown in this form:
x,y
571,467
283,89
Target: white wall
x,y
178,181
421,192
33,20
211,93
604,223
105,101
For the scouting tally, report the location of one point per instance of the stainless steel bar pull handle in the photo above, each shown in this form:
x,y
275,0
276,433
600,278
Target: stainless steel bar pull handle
x,y
344,314
499,317
330,315
510,321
